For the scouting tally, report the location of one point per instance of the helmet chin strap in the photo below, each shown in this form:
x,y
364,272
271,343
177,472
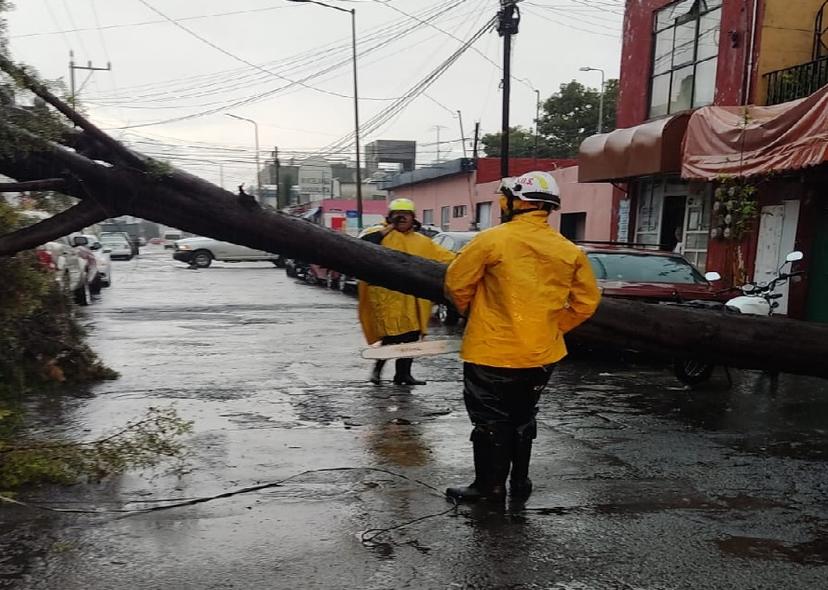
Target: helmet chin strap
x,y
509,213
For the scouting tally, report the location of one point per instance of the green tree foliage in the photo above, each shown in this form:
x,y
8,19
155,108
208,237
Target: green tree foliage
x,y
41,340
139,444
567,118
521,144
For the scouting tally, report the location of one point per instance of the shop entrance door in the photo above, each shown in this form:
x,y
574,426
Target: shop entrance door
x,y
672,222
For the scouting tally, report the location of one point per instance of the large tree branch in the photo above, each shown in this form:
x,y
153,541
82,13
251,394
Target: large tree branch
x,y
28,81
47,184
73,219
190,203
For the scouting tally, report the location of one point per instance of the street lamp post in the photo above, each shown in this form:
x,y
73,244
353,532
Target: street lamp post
x,y
537,120
601,99
258,169
352,12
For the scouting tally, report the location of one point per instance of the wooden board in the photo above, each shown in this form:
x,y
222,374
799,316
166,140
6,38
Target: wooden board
x,y
412,349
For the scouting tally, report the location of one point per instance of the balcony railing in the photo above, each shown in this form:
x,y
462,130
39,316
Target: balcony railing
x,y
797,82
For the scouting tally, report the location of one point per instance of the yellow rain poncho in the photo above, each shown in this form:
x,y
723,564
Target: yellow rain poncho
x,y
383,312
524,286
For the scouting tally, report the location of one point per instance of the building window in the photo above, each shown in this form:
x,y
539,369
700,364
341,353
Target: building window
x,y
444,218
428,216
460,211
483,215
685,55
573,226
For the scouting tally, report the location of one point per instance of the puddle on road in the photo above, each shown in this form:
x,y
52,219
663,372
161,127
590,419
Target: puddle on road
x,y
813,552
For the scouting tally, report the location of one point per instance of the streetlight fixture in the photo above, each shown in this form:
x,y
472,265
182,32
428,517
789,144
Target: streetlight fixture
x,y
352,12
258,170
601,99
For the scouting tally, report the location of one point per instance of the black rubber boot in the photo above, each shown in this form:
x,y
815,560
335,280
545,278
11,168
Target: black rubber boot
x,y
403,375
376,374
492,453
520,486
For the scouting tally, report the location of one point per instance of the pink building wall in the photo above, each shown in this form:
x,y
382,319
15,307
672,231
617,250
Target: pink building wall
x,y
448,191
598,200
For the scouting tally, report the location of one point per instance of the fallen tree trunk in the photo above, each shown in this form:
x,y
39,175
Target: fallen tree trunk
x,y
129,183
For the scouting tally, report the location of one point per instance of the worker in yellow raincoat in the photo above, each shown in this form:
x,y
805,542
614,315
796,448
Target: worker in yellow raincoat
x,y
390,316
522,286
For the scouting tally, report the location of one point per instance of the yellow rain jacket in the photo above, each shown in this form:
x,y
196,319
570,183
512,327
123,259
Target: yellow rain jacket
x,y
526,286
383,312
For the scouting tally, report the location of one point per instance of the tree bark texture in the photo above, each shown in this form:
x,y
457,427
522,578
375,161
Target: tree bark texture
x,y
112,180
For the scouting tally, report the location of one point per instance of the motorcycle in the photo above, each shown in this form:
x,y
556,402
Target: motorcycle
x,y
755,299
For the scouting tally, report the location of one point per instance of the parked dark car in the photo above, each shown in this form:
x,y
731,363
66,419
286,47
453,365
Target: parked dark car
x,y
648,274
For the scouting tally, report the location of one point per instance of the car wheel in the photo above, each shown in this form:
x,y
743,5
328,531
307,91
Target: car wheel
x,y
96,285
82,294
201,259
447,315
310,278
692,372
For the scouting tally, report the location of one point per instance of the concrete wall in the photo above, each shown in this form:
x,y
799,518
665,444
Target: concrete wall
x,y
785,38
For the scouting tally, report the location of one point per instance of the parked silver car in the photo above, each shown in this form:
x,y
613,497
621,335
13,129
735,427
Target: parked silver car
x,y
118,245
200,252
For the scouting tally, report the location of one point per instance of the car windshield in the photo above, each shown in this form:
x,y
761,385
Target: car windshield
x,y
461,241
643,268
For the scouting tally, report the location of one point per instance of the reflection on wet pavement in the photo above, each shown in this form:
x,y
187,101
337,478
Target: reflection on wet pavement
x,y
639,482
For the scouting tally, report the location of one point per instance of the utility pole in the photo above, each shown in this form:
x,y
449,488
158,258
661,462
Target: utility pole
x,y
537,119
88,67
462,133
476,140
275,176
508,20
438,127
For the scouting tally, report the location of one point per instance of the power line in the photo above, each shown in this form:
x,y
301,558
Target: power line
x,y
387,114
483,55
385,30
145,23
154,102
266,94
236,57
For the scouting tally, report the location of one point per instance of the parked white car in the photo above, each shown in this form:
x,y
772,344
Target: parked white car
x,y
118,246
75,268
201,252
102,255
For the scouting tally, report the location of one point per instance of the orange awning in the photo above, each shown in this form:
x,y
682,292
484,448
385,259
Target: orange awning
x,y
650,148
746,141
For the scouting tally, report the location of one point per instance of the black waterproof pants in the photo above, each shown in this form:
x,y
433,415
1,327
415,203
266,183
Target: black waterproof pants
x,y
403,366
504,398
502,405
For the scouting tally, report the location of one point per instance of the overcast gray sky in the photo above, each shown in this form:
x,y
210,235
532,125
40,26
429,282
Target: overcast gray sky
x,y
236,56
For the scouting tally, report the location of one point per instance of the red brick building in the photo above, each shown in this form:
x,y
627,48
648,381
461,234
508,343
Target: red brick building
x,y
689,62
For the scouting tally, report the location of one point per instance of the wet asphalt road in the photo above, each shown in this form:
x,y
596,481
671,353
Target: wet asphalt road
x,y
639,483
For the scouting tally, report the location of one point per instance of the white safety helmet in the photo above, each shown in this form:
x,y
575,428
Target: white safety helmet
x,y
533,186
